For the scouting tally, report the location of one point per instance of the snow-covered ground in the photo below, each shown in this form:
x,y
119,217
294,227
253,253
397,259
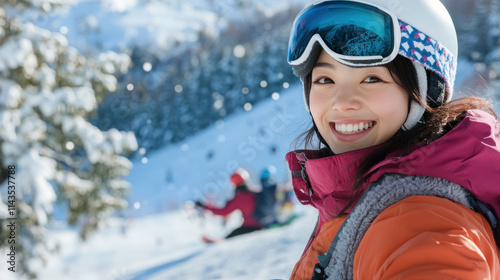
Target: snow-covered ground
x,y
168,246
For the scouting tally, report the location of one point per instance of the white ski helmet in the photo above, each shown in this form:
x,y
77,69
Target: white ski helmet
x,y
420,30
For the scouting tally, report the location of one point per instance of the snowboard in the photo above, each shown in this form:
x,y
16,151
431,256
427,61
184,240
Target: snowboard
x,y
289,220
286,222
211,240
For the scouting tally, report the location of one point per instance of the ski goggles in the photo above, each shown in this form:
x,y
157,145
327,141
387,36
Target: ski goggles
x,y
354,33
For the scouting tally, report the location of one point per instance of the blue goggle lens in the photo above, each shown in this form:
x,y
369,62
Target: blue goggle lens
x,y
347,28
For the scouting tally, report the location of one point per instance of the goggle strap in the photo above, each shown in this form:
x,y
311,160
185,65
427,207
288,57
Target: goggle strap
x,y
418,46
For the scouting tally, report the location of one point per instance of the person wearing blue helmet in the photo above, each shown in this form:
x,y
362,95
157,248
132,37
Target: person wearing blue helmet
x,y
266,210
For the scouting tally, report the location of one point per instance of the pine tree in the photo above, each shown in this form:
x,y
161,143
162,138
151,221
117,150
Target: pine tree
x,y
48,149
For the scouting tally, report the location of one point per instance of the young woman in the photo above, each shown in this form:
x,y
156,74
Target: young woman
x,y
405,180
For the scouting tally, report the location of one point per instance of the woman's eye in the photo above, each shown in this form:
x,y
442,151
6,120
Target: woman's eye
x,y
372,80
323,80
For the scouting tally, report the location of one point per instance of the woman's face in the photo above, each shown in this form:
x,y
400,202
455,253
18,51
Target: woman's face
x,y
355,108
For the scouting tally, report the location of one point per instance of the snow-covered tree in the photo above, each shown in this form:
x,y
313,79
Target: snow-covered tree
x,y
49,151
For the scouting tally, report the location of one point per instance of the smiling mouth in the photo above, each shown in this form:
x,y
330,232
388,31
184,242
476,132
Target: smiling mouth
x,y
348,129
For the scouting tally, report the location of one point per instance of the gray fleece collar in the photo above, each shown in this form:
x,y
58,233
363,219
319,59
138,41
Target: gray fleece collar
x,y
387,191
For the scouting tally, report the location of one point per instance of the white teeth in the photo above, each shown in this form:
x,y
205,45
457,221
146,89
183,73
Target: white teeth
x,y
352,128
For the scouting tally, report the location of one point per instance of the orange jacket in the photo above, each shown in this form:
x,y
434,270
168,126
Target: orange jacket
x,y
420,237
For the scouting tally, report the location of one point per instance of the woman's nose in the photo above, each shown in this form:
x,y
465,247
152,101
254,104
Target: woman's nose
x,y
345,99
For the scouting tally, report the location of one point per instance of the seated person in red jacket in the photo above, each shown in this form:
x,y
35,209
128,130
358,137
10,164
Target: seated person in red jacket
x,y
244,200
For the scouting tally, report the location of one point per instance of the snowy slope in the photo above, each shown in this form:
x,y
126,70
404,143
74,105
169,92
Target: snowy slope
x,y
168,246
199,168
